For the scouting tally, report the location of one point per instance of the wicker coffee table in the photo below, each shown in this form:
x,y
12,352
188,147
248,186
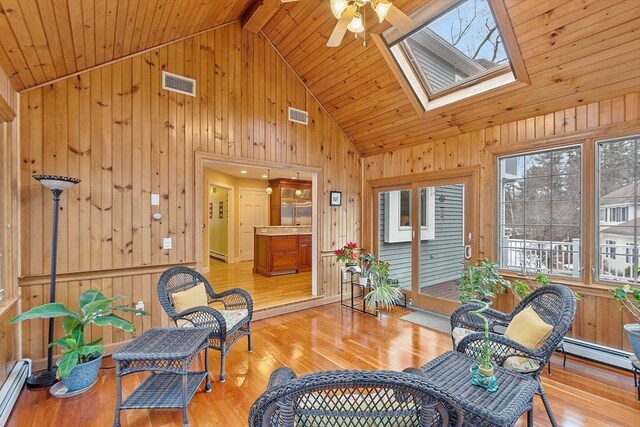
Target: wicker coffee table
x,y
503,407
168,353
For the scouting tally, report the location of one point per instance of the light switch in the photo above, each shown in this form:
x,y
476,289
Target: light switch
x,y
155,200
166,243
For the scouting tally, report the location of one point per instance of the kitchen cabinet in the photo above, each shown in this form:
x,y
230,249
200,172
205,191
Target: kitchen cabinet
x,y
304,253
275,255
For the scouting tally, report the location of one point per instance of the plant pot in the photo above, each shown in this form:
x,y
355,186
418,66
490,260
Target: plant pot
x,y
633,332
486,371
83,375
364,281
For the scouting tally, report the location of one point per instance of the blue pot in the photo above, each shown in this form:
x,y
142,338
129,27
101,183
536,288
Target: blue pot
x,y
633,332
83,375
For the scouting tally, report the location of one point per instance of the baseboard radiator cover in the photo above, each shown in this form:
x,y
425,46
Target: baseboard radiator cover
x,y
598,353
12,386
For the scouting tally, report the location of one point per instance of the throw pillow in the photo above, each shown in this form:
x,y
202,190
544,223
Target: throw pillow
x,y
192,297
528,329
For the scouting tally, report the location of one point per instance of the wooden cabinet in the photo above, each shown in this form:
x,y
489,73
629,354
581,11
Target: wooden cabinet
x,y
275,255
304,253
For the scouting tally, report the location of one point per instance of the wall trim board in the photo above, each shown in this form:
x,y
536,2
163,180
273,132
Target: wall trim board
x,y
108,273
426,176
602,132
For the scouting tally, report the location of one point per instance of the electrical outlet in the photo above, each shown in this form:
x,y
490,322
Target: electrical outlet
x,y
139,306
166,243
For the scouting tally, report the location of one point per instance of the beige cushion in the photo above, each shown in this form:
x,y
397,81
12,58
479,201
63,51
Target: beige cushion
x,y
458,333
192,297
233,317
528,329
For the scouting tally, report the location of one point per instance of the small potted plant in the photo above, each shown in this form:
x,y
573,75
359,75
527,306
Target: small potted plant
x,y
367,260
78,367
629,298
482,374
347,254
384,292
481,282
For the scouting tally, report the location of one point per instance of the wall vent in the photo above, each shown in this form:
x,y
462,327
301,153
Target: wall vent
x,y
180,84
298,116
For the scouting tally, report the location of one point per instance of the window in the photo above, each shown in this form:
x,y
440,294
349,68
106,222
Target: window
x,y
540,211
617,175
397,214
459,44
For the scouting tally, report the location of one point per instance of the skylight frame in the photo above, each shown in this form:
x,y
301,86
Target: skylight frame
x,y
512,74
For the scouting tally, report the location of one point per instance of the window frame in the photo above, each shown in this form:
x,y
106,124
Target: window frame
x,y
583,224
394,232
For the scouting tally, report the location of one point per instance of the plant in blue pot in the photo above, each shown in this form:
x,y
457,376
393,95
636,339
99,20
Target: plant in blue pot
x,y
80,361
629,298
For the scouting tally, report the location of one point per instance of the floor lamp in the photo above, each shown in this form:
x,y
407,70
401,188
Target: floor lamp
x,y
57,184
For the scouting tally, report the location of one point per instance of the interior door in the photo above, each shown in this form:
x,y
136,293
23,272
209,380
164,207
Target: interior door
x,y
443,218
254,207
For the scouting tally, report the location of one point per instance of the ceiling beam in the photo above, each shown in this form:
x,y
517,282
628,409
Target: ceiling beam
x,y
260,12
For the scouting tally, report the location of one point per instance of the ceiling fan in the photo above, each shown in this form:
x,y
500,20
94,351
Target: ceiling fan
x,y
350,17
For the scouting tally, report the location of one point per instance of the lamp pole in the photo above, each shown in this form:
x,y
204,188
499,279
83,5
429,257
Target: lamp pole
x,y
57,184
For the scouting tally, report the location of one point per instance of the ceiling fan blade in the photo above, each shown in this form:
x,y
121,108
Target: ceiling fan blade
x,y
341,27
400,20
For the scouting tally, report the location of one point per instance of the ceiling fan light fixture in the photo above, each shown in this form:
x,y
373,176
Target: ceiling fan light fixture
x,y
381,8
356,25
338,7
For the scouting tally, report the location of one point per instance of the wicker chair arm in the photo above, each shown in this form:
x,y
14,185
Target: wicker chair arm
x,y
281,376
502,348
463,318
203,316
234,299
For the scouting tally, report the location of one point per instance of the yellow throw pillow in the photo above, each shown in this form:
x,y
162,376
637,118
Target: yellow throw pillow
x,y
528,329
192,297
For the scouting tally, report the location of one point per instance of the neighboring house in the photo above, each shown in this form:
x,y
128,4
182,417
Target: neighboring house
x,y
618,210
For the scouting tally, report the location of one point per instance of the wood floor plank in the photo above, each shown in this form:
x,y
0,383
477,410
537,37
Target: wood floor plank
x,y
324,338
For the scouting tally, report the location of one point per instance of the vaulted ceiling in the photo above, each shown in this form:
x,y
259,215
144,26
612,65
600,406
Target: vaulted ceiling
x,y
574,51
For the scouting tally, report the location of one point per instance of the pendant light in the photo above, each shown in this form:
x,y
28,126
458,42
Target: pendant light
x,y
269,190
298,192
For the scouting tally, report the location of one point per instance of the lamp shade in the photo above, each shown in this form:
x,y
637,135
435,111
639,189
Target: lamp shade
x,y
268,190
338,7
356,25
382,8
55,182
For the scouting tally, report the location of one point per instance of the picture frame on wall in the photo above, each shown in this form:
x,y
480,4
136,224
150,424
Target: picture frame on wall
x,y
335,198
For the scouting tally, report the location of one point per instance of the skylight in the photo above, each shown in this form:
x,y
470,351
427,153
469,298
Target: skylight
x,y
455,48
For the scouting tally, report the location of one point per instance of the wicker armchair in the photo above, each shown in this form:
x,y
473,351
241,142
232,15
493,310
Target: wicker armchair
x,y
228,323
555,304
352,398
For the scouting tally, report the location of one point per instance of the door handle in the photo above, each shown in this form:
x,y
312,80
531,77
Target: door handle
x,y
467,251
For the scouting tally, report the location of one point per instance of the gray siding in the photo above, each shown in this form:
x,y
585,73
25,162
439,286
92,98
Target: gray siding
x,y
441,258
439,72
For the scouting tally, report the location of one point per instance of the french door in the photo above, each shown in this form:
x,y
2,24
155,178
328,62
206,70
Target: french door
x,y
426,230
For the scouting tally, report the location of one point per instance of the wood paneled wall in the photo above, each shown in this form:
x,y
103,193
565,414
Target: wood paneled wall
x,y
599,318
125,137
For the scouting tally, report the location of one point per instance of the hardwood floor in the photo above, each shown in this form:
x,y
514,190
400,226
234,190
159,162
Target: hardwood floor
x,y
324,338
267,292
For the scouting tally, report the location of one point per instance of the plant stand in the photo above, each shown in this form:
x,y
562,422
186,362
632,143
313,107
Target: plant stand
x,y
352,293
168,353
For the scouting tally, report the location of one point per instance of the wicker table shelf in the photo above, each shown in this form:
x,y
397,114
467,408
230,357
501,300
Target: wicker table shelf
x,y
168,353
503,407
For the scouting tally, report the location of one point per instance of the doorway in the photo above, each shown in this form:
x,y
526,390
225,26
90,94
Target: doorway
x,y
254,212
218,222
426,231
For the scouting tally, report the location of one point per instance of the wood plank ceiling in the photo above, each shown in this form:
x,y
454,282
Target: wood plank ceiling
x,y
42,40
575,52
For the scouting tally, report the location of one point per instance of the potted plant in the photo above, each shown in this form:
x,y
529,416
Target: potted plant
x,y
384,292
347,254
367,260
80,361
482,374
481,282
629,298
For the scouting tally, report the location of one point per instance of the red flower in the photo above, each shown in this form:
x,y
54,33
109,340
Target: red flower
x,y
346,253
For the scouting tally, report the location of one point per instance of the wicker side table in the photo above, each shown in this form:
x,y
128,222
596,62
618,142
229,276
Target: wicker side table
x,y
168,353
503,407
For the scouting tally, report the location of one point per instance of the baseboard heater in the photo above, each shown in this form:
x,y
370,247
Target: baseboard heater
x,y
11,388
598,353
218,255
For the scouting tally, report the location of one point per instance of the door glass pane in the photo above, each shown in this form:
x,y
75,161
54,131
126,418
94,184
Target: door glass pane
x,y
441,244
395,235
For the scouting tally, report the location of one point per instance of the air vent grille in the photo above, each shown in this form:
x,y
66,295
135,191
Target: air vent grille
x,y
179,84
298,116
